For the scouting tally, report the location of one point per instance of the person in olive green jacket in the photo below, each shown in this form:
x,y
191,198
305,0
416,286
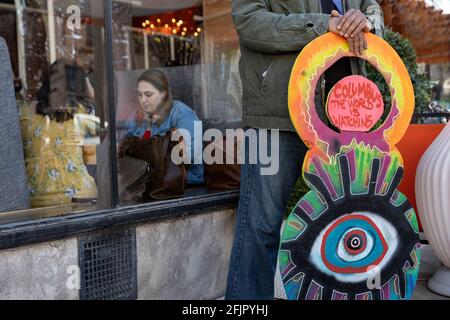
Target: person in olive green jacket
x,y
271,34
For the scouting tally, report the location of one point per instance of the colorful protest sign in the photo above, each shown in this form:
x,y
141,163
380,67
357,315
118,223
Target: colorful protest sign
x,y
354,235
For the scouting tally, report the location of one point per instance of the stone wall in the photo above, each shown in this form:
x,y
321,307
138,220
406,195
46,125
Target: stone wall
x,y
38,272
185,258
182,258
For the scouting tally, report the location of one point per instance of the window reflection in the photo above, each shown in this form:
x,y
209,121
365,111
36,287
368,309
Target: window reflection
x,y
158,113
185,52
59,87
55,136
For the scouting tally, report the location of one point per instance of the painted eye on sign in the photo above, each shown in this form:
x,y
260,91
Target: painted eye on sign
x,y
360,239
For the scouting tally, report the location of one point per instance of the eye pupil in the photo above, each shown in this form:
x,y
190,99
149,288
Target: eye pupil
x,y
355,242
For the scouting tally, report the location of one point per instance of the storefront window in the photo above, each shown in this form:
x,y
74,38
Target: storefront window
x,y
176,74
56,50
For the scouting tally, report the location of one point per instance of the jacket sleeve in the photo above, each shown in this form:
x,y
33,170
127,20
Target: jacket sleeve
x,y
374,14
262,30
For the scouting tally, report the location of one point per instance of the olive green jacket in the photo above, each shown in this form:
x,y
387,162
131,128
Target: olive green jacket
x,y
271,34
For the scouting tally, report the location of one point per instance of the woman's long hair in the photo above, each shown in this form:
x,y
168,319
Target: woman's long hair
x,y
68,83
159,80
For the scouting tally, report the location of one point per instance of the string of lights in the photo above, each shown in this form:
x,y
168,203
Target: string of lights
x,y
174,26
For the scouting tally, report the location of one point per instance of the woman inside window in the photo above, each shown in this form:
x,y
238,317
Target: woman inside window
x,y
53,137
159,113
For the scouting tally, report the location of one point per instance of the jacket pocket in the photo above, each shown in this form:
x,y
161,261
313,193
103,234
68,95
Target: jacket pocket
x,y
266,79
274,86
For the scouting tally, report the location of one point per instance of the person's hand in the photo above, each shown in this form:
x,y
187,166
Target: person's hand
x,y
358,43
90,154
352,26
335,20
352,23
342,24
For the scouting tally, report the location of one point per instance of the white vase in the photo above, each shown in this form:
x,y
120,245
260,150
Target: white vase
x,y
433,202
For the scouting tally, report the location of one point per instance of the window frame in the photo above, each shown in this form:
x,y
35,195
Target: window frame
x,y
16,234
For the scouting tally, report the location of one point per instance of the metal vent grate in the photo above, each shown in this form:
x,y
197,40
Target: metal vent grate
x,y
108,266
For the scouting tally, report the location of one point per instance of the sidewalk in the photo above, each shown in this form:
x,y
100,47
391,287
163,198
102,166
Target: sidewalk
x,y
428,265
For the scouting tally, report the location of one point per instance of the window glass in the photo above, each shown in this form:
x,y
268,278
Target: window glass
x,y
176,74
57,124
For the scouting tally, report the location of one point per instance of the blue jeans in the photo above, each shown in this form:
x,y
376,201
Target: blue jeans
x,y
262,204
